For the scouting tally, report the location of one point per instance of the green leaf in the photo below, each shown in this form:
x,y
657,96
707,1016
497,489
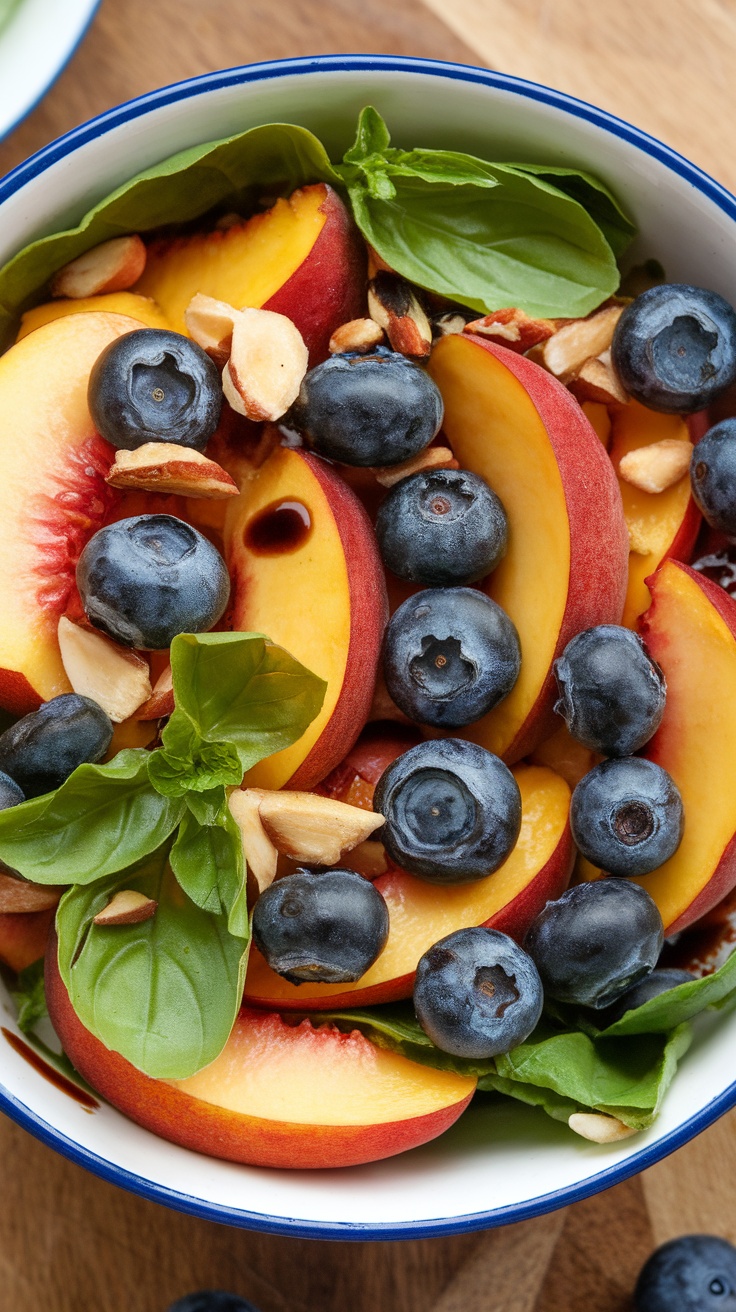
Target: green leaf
x,y
29,996
593,195
187,763
680,1004
101,820
207,859
163,993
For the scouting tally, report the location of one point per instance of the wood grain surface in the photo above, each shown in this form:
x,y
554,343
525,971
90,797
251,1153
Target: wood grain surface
x,y
68,1242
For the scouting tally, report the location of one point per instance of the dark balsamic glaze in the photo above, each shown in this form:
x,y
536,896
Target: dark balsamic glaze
x,y
48,1072
279,528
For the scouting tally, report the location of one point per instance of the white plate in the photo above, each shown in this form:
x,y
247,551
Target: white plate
x,y
35,44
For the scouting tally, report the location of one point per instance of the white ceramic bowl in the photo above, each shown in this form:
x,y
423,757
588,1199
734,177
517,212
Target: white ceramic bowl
x,y
500,1163
35,44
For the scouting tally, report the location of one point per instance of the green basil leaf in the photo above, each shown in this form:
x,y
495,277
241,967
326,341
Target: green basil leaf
x,y
207,859
163,993
276,157
29,996
174,773
680,1004
238,688
593,195
102,819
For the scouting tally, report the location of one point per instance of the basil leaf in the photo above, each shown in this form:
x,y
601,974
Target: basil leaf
x,y
192,764
207,859
103,818
277,157
163,993
593,195
240,689
679,1004
29,996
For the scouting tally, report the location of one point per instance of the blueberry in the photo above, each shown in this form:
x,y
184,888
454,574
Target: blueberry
x,y
450,655
452,810
674,348
713,476
321,926
596,941
10,793
626,816
720,568
40,751
653,986
376,409
153,385
695,1273
477,993
442,527
212,1300
143,580
612,693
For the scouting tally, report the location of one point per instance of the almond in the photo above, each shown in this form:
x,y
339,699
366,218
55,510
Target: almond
x,y
369,859
114,266
513,328
260,855
596,380
268,361
433,457
395,307
599,1128
656,467
579,340
357,335
117,678
448,324
170,468
161,701
210,323
307,827
126,907
18,895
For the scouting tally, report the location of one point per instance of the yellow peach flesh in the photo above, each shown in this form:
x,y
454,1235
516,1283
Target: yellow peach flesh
x,y
141,308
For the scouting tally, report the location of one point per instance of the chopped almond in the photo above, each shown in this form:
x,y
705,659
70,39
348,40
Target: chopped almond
x,y
267,363
117,678
210,323
161,701
127,907
259,853
432,457
395,307
447,324
307,827
369,859
513,328
656,467
357,335
599,1128
579,340
113,266
18,895
170,468
596,380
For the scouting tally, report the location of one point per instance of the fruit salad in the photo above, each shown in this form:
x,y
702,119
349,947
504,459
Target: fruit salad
x,y
368,664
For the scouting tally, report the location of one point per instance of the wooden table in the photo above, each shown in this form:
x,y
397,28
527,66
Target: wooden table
x,y
69,1243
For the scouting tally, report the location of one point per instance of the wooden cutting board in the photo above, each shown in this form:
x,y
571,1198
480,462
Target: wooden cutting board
x,y
69,1243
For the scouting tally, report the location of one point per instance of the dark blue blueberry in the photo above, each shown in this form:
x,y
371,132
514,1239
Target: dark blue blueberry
x,y
713,476
143,580
626,816
660,981
674,348
153,385
10,793
477,994
376,409
324,926
452,811
612,693
720,568
596,941
450,655
212,1300
442,527
696,1273
40,751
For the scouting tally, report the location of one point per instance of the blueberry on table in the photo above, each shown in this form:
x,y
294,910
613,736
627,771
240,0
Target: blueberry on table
x,y
145,579
377,409
442,527
326,926
212,1300
674,348
695,1273
10,793
626,816
450,655
477,993
612,694
660,981
40,751
713,476
153,385
453,811
596,941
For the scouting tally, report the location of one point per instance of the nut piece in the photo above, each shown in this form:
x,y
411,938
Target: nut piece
x,y
111,267
168,467
357,335
596,380
394,306
579,340
432,457
126,907
261,857
448,324
307,827
209,323
267,363
513,328
599,1128
18,895
369,859
161,701
657,467
117,678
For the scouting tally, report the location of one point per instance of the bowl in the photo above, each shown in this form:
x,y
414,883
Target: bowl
x,y
500,1163
36,42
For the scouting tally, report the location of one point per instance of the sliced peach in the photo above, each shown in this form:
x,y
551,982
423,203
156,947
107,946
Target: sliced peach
x,y
306,572
141,308
511,422
278,1095
23,937
565,756
420,913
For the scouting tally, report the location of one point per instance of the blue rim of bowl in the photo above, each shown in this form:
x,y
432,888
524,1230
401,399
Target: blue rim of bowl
x,y
66,58
717,1107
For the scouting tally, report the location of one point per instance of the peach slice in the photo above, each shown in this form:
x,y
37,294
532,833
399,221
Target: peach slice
x,y
306,572
661,525
690,629
420,914
302,258
23,936
278,1095
565,570
142,308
